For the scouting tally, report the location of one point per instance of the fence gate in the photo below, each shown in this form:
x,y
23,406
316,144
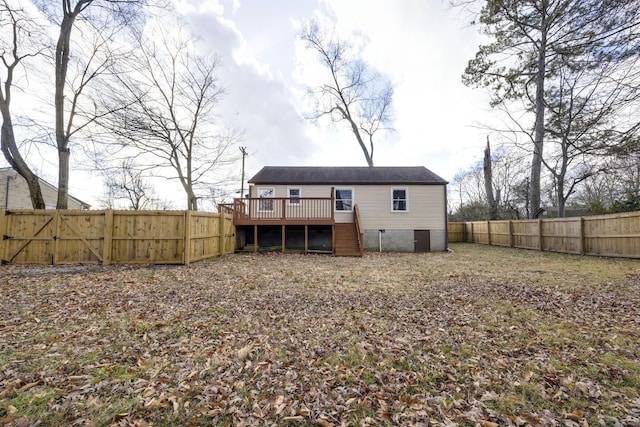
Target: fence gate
x,y
79,237
53,237
31,238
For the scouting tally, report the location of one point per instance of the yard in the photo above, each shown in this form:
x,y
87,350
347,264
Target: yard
x,y
483,336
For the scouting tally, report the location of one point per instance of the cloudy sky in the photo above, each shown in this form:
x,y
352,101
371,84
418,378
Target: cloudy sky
x,y
421,46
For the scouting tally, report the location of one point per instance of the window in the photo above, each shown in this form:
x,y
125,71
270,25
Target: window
x,y
344,199
294,195
266,193
399,200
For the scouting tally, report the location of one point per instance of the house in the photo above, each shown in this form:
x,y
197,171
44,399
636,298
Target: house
x,y
343,210
14,193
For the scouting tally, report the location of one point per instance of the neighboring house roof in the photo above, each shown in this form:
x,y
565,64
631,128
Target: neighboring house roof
x,y
10,171
407,175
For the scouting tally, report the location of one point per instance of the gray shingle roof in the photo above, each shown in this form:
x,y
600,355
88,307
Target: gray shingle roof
x,y
346,175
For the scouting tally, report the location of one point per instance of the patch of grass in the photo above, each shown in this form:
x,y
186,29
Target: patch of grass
x,y
32,404
115,410
623,372
118,373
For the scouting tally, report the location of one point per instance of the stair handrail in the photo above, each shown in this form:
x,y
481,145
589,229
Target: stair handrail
x,y
359,231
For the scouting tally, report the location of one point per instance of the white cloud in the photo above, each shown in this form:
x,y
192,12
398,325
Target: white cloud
x,y
420,45
422,48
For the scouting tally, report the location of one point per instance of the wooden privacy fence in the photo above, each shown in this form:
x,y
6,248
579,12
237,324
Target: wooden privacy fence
x,y
616,235
113,237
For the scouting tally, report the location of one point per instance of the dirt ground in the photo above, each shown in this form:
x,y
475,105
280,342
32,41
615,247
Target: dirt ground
x,y
481,336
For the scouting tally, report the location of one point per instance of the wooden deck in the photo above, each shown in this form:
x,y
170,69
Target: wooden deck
x,y
302,211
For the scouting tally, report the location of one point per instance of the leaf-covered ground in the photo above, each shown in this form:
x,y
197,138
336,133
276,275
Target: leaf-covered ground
x,y
482,336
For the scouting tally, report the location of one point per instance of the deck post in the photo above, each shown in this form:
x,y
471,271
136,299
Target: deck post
x,y
306,238
255,238
333,238
283,234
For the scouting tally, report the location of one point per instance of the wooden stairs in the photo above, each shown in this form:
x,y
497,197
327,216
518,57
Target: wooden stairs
x,y
346,240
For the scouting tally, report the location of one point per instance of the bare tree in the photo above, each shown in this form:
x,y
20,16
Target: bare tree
x,y
21,40
530,38
508,186
101,20
590,110
618,188
471,203
127,185
354,93
170,122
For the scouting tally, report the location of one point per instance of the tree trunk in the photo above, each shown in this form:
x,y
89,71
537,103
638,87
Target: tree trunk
x,y
62,141
488,183
354,128
192,200
561,198
538,138
15,160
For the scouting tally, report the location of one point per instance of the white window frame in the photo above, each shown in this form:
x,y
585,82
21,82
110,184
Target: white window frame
x,y
335,202
406,200
292,200
263,203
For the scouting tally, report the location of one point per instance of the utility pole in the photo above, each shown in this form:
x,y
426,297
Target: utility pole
x,y
243,150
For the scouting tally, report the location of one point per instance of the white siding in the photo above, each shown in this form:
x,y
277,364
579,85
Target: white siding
x,y
426,205
19,193
305,190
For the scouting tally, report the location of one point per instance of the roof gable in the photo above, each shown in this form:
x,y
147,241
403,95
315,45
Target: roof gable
x,y
346,175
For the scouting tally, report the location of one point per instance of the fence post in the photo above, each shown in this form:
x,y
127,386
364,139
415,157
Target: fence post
x,y
56,236
540,235
107,244
489,233
472,233
581,226
186,258
510,234
223,237
4,224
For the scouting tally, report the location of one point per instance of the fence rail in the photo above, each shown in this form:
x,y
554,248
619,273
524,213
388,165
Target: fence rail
x,y
113,237
616,235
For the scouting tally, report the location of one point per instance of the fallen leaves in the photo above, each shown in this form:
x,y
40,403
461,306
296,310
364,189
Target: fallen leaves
x,y
484,336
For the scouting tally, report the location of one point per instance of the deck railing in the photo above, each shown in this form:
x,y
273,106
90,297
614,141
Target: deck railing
x,y
280,208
